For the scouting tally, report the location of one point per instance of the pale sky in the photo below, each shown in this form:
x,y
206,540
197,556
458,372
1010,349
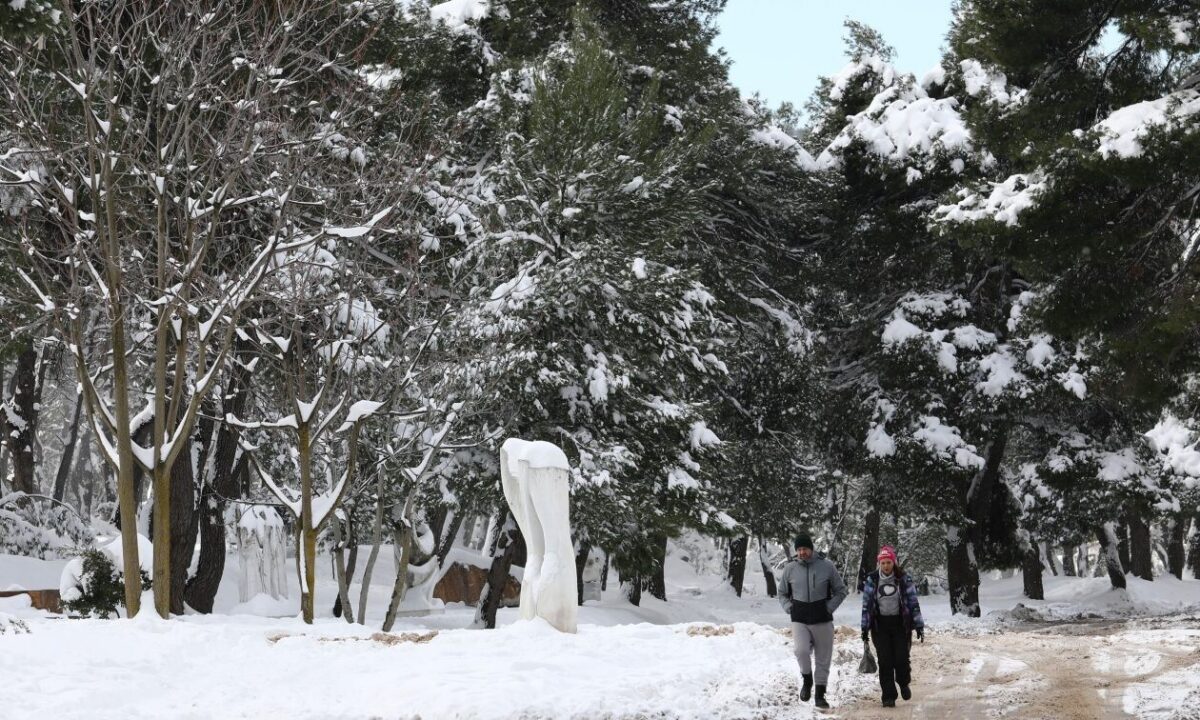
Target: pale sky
x,y
780,47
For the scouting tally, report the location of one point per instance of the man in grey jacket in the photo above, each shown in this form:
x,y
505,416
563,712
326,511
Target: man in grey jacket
x,y
810,589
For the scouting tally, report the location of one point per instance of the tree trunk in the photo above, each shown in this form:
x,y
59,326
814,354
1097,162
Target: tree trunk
x,y
307,551
141,435
1048,557
1141,551
1110,558
376,541
870,546
1177,531
581,558
21,417
737,563
832,527
768,575
3,430
657,583
127,500
352,538
509,537
962,573
1068,554
491,536
76,486
216,491
631,586
447,537
1123,546
1194,555
351,562
1031,572
67,460
962,568
604,573
1160,551
339,571
183,524
403,539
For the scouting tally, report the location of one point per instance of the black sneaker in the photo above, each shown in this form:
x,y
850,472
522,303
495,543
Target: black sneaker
x,y
819,701
905,692
806,688
889,703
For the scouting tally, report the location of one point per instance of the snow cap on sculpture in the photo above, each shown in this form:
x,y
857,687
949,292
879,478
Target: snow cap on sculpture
x,y
536,481
542,454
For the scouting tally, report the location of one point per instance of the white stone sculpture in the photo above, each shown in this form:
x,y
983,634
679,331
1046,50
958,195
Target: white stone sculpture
x,y
535,477
262,553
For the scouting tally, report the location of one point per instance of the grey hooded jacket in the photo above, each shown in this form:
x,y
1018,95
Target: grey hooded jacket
x,y
810,590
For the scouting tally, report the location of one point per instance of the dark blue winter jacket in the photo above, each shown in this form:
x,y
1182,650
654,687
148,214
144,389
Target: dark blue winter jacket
x,y
910,607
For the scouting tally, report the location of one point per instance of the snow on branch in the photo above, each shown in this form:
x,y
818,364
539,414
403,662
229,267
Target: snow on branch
x,y
1003,204
432,448
358,412
45,304
359,231
279,491
1122,132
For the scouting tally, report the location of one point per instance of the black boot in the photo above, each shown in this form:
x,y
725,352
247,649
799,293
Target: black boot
x,y
806,689
820,700
889,703
905,692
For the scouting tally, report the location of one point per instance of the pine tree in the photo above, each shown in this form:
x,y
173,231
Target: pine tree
x,y
1089,150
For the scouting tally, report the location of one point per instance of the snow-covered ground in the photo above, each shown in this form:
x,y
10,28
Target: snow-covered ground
x,y
703,654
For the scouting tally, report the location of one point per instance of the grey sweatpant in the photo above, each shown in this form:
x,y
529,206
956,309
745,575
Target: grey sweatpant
x,y
809,638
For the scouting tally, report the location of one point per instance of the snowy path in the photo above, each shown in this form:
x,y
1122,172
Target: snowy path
x,y
1087,671
704,654
202,668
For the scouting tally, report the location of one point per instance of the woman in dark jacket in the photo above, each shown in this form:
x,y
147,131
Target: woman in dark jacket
x,y
891,613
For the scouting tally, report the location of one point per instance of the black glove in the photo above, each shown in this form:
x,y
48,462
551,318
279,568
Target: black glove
x,y
921,634
866,635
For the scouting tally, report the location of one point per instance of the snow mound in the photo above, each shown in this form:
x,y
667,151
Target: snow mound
x,y
11,625
71,577
263,605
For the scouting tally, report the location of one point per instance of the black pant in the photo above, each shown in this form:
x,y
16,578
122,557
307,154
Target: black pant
x,y
891,645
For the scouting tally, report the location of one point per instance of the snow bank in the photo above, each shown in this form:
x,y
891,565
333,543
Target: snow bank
x,y
1073,598
70,580
18,572
264,605
705,653
524,670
